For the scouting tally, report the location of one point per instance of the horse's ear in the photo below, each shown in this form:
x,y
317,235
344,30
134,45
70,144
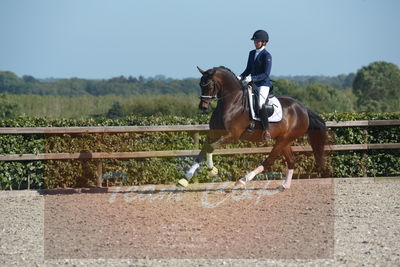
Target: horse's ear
x,y
201,71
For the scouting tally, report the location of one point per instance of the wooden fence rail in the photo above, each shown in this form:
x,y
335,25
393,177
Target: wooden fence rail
x,y
164,128
182,153
195,129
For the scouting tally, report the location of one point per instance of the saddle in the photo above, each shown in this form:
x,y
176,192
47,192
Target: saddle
x,y
274,107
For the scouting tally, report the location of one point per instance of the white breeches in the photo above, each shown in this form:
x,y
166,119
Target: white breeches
x,y
263,95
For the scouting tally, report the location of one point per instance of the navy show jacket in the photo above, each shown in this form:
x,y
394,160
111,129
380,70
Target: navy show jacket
x,y
260,68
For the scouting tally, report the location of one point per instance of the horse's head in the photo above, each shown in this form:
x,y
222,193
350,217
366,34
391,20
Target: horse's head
x,y
209,88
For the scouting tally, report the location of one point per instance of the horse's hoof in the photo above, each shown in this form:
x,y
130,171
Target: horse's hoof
x,y
285,186
183,182
240,182
281,188
213,172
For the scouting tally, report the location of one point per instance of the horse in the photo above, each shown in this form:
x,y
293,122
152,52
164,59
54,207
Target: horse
x,y
230,121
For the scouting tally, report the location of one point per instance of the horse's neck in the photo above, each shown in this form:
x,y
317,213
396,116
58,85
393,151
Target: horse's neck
x,y
231,109
232,95
229,88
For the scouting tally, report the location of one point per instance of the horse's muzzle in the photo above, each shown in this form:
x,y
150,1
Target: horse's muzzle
x,y
204,105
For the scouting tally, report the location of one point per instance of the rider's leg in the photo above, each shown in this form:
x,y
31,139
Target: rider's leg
x,y
263,95
263,101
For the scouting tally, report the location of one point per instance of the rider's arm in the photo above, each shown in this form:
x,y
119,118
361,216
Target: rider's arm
x,y
247,71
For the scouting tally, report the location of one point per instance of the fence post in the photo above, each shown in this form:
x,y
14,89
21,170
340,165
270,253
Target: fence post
x,y
365,155
100,163
196,138
99,173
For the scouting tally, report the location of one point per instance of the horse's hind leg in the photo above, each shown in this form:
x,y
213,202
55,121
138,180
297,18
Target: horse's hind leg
x,y
276,151
249,176
290,159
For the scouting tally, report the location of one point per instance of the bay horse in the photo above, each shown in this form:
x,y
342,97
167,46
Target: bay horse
x,y
231,118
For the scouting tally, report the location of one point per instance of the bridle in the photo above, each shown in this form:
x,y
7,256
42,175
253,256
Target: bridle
x,y
212,97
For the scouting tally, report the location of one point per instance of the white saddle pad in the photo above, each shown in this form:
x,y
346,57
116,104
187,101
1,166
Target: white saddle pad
x,y
275,117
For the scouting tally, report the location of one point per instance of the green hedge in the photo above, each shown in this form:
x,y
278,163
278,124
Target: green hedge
x,y
79,173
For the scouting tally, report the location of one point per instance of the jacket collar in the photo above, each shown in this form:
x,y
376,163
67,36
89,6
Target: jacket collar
x,y
261,49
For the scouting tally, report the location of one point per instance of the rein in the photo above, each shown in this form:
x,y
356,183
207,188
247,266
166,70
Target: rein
x,y
212,97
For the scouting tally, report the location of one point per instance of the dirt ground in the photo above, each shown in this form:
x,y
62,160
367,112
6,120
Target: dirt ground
x,y
203,221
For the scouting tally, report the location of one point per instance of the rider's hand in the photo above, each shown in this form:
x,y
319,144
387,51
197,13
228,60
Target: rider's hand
x,y
246,80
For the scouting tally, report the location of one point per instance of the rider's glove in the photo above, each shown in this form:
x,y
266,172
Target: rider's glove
x,y
248,79
239,77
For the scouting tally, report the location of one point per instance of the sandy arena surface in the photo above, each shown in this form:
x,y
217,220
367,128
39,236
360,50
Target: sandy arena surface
x,y
351,221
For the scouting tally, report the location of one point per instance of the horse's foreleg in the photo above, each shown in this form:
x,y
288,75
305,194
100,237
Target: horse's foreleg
x,y
206,152
210,164
213,171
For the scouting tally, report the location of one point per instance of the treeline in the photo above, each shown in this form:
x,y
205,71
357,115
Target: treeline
x,y
341,81
12,84
374,88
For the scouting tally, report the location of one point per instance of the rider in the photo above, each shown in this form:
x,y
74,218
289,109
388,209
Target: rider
x,y
257,71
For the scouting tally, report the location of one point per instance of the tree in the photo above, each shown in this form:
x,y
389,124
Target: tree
x,y
377,87
29,79
115,111
324,98
7,110
10,83
285,87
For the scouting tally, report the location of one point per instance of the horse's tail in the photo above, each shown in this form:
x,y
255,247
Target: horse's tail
x,y
318,137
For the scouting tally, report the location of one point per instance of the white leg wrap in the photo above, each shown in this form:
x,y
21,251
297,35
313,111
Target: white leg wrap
x,y
189,174
210,162
248,177
288,181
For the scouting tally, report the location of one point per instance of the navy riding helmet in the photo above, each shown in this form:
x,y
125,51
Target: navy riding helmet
x,y
260,35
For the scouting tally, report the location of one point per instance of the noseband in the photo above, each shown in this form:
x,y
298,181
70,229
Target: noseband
x,y
212,97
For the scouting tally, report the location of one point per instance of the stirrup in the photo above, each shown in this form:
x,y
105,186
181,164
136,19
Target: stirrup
x,y
252,126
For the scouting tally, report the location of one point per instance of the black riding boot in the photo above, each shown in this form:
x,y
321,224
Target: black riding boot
x,y
264,122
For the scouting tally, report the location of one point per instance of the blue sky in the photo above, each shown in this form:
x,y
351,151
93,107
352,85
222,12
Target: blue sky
x,y
103,38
